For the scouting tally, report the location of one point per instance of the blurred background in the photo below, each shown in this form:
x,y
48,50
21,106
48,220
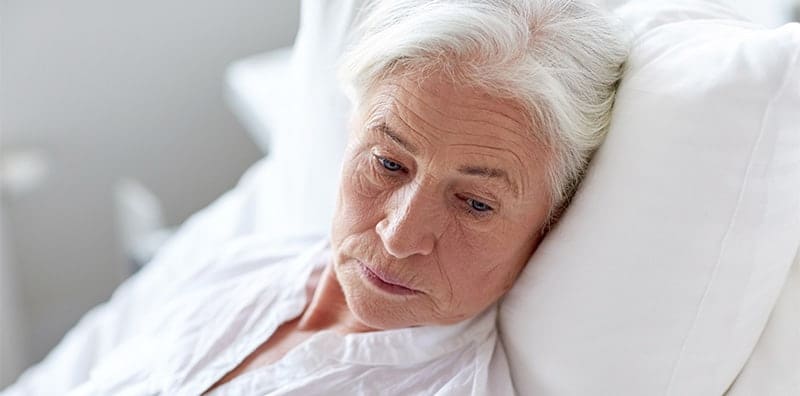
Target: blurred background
x,y
118,120
100,100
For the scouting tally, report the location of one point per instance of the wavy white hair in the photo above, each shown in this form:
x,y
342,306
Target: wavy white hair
x,y
560,60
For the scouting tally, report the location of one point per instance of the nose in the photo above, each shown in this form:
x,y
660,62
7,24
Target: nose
x,y
410,224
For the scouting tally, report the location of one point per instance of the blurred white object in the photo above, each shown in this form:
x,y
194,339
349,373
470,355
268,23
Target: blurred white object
x,y
140,222
304,112
22,171
255,84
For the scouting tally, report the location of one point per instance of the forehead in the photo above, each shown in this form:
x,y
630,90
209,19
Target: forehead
x,y
436,104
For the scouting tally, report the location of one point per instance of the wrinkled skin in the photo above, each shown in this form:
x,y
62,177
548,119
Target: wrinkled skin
x,y
450,215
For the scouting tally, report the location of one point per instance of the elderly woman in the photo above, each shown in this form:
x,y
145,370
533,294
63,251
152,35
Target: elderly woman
x,y
472,123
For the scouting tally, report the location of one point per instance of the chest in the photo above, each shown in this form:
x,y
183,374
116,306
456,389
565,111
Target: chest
x,y
285,338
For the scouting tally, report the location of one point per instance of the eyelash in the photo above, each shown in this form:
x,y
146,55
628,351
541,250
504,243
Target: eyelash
x,y
383,161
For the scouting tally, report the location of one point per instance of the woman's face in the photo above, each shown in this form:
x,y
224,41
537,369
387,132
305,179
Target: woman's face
x,y
441,203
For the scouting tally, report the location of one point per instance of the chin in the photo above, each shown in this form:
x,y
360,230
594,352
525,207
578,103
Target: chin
x,y
371,314
376,309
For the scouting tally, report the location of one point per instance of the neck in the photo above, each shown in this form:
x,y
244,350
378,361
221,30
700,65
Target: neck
x,y
328,308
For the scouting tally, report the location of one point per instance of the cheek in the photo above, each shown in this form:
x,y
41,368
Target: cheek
x,y
359,199
482,266
359,179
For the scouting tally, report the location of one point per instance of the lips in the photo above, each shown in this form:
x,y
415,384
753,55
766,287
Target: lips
x,y
385,281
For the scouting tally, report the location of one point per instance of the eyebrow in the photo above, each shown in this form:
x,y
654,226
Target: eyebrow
x,y
481,171
388,131
490,173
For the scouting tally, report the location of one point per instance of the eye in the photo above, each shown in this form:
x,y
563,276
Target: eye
x,y
478,205
388,164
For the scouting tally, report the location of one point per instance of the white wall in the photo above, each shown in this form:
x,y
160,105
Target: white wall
x,y
110,89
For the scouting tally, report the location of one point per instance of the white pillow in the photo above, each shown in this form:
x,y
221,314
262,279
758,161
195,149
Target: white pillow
x,y
661,275
311,131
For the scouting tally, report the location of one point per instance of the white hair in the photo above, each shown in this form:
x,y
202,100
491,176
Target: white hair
x,y
560,60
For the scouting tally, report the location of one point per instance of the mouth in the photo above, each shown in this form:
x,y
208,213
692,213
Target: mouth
x,y
383,281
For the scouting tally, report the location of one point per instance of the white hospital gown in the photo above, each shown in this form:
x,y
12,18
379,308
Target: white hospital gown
x,y
217,316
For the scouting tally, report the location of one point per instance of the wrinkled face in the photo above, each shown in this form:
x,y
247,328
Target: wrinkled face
x,y
441,203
